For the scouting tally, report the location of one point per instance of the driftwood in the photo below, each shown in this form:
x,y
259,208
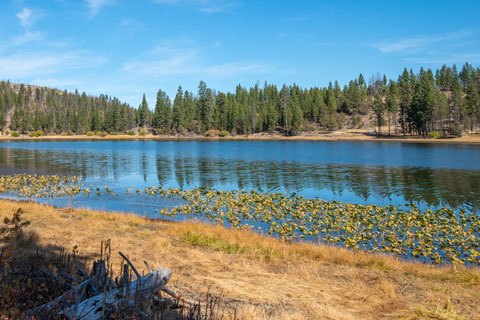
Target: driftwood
x,y
98,295
92,308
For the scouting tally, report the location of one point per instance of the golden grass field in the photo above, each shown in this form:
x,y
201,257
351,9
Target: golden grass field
x,y
261,277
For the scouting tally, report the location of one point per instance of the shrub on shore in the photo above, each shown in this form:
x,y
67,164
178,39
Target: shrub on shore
x,y
37,133
435,135
90,134
15,134
212,133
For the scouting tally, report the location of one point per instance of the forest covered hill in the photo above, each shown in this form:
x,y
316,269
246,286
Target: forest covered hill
x,y
446,101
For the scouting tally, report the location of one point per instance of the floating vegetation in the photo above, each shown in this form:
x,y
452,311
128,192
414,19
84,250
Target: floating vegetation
x,y
437,236
41,186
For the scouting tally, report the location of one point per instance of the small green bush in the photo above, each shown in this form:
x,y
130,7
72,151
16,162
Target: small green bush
x,y
435,135
102,133
15,134
131,133
223,133
90,134
113,133
142,133
37,133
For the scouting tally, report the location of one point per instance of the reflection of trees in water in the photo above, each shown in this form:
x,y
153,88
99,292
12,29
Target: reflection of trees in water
x,y
435,187
451,187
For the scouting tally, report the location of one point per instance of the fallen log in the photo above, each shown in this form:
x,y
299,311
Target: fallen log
x,y
92,308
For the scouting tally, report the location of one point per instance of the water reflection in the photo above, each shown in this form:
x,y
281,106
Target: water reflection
x,y
282,167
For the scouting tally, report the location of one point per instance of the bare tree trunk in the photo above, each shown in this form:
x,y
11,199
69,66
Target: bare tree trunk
x,y
388,122
395,122
379,124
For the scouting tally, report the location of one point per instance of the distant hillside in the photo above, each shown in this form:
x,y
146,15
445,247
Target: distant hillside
x,y
444,102
26,108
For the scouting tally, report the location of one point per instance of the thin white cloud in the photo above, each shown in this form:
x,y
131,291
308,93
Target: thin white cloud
x,y
184,58
437,59
96,5
25,38
402,45
413,44
206,6
167,1
25,65
54,82
26,18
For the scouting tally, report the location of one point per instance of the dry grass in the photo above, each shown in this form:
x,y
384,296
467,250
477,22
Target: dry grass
x,y
265,278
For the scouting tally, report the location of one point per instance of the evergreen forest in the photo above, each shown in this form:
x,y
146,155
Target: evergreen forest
x,y
445,101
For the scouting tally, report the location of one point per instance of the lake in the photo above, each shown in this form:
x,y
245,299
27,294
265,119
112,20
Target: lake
x,y
382,173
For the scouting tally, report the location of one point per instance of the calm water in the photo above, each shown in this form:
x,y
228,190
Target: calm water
x,y
382,173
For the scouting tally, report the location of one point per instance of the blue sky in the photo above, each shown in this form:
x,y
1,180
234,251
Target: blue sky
x,y
125,48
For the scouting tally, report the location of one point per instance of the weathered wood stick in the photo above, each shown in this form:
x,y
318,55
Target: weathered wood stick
x,y
148,267
130,263
179,298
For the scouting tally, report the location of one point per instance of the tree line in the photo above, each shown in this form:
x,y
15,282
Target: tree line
x,y
25,108
446,101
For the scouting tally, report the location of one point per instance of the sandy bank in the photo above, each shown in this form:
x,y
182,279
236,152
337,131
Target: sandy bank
x,y
346,135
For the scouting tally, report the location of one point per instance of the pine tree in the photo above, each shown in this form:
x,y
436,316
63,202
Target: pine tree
x,y
405,94
423,102
472,98
163,113
392,104
456,103
178,111
285,97
296,113
205,106
379,109
143,113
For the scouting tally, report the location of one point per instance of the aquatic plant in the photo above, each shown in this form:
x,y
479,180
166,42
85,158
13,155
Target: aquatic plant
x,y
435,236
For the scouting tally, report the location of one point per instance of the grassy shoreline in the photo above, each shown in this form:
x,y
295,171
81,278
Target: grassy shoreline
x,y
348,135
265,277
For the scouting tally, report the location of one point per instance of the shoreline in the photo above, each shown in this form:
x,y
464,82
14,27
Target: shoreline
x,y
249,269
334,136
